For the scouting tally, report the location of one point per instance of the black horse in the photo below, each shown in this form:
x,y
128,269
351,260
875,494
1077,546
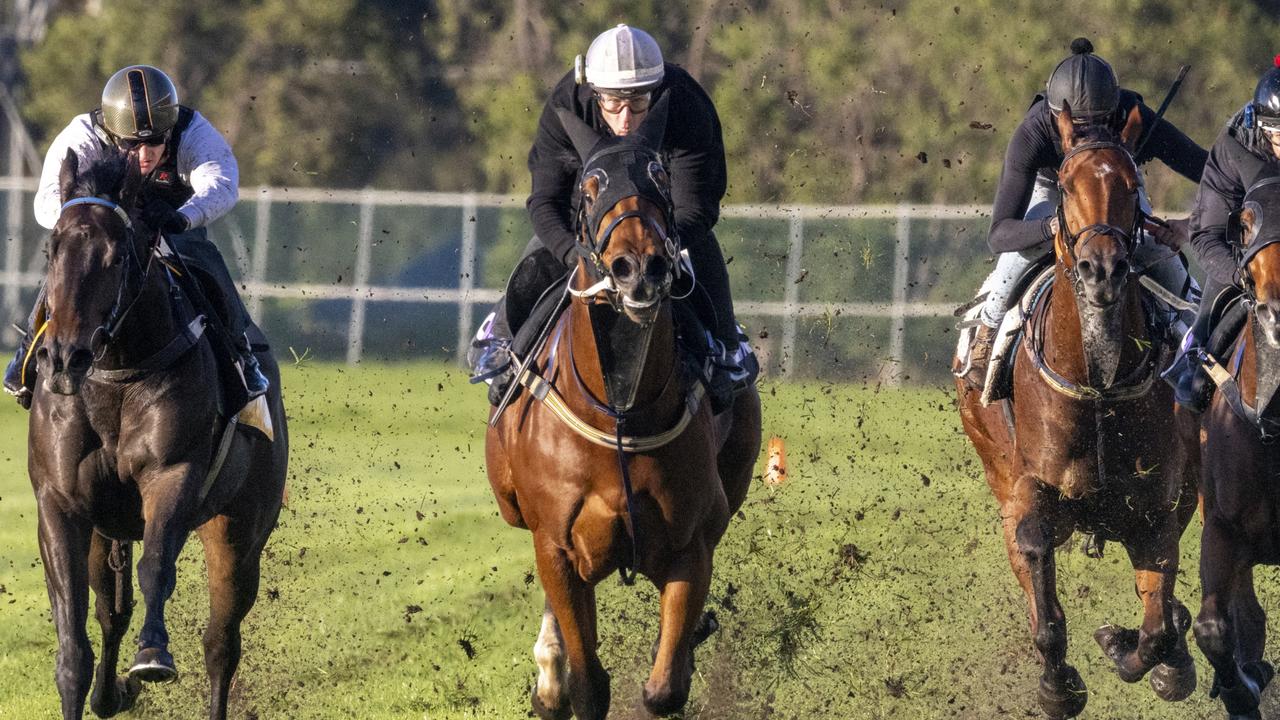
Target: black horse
x,y
126,426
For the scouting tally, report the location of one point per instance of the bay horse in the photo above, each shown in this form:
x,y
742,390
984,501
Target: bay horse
x,y
1089,440
123,435
1241,500
619,466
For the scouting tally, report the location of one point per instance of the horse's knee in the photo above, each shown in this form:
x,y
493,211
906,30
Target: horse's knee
x,y
666,698
73,668
1213,634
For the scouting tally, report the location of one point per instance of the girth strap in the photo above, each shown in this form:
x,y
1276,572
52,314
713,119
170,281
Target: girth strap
x,y
165,357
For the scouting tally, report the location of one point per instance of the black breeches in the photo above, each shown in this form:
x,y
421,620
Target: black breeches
x,y
202,258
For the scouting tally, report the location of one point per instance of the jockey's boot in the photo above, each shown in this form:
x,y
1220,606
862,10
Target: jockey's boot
x,y
980,357
732,367
1193,388
490,358
13,376
256,383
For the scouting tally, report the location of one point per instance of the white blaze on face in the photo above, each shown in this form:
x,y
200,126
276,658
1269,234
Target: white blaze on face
x,y
548,652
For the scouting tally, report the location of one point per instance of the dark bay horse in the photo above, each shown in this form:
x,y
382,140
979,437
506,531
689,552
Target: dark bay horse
x,y
555,466
124,430
1241,497
1089,440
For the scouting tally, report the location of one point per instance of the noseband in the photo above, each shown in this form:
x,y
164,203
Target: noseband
x,y
106,333
1128,238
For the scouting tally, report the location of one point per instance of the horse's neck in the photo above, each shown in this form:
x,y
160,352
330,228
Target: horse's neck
x,y
1093,346
148,327
659,363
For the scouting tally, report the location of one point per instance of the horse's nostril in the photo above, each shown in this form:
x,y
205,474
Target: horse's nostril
x,y
622,268
1121,269
657,267
80,359
1085,268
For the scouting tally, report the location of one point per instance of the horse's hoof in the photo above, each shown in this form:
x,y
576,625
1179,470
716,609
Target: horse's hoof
x,y
1117,643
1064,696
1174,682
707,626
564,712
125,691
153,665
666,702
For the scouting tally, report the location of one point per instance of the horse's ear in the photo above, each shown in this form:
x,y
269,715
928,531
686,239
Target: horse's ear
x,y
67,175
584,139
591,188
1132,129
1246,220
132,184
654,126
1066,129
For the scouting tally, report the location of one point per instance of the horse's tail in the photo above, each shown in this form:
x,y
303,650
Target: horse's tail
x,y
775,472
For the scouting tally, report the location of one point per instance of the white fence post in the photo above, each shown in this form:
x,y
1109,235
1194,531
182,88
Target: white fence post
x,y
360,284
466,273
258,263
13,246
891,371
791,293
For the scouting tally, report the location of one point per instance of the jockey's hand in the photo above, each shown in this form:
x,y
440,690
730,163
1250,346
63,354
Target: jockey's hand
x,y
1172,234
164,217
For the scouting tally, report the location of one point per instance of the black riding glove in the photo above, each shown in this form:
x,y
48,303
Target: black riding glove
x,y
164,217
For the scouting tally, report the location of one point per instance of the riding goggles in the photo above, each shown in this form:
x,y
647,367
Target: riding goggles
x,y
614,103
152,141
1269,125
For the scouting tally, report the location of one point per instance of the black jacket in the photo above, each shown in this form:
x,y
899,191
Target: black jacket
x,y
1036,148
692,148
1239,158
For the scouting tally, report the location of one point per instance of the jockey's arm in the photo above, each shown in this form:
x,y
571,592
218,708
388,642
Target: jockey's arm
x,y
1221,192
206,161
1172,147
77,136
696,166
1023,159
553,165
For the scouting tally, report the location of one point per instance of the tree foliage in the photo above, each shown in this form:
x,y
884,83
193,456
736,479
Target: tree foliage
x,y
822,101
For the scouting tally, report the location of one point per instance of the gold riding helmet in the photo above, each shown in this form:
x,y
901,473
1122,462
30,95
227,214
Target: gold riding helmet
x,y
139,103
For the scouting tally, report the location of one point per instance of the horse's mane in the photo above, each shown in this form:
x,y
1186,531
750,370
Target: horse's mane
x,y
102,179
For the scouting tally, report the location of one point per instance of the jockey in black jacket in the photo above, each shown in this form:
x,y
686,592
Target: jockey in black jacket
x,y
1246,151
624,75
1023,221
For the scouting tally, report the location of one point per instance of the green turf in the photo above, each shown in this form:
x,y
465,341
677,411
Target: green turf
x,y
872,585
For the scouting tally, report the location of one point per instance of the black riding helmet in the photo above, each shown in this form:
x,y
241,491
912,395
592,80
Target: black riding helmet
x,y
1265,108
1085,81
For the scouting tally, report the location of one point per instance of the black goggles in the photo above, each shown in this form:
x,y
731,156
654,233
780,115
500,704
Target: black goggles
x,y
150,141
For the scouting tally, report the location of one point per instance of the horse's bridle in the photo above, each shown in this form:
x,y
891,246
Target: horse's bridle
x,y
1246,253
592,243
106,333
1129,238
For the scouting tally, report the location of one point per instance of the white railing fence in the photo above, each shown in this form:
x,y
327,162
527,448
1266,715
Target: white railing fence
x,y
827,291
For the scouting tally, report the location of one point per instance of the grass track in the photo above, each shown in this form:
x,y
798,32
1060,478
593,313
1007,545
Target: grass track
x,y
872,585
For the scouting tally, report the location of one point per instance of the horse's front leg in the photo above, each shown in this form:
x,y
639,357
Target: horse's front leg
x,y
1161,641
168,498
1034,508
684,589
1221,567
573,601
113,607
64,551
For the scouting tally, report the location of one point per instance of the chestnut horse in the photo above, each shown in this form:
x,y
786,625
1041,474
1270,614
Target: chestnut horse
x,y
124,431
659,505
1089,440
1241,500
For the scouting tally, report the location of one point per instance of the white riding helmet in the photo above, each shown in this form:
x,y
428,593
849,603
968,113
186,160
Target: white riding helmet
x,y
623,60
